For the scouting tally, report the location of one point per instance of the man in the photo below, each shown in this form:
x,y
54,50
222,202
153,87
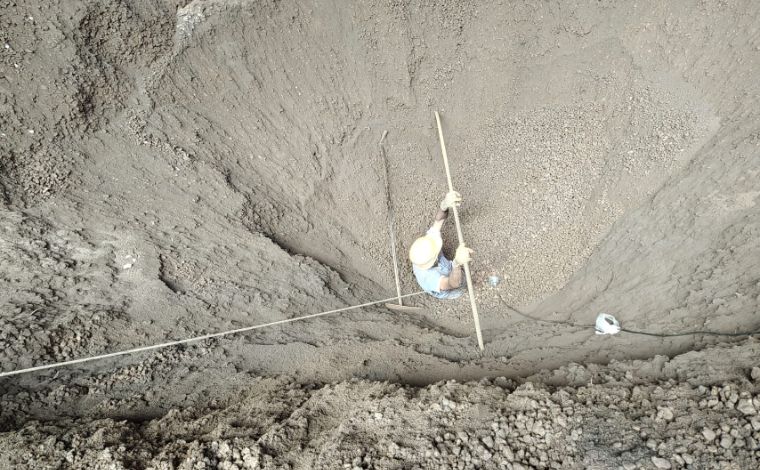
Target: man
x,y
437,275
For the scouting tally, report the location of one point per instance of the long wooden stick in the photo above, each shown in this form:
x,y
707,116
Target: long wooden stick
x,y
391,218
470,289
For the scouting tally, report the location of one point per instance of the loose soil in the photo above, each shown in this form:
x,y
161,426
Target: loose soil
x,y
171,169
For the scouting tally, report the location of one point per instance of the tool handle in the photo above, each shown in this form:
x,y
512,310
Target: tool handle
x,y
470,289
391,218
448,176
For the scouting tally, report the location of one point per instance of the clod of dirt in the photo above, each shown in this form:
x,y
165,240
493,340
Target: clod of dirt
x,y
275,423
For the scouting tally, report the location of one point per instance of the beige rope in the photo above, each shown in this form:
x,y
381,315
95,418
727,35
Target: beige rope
x,y
194,339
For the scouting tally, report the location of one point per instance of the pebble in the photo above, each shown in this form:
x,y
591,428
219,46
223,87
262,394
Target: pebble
x,y
726,441
755,424
708,434
659,462
665,413
746,407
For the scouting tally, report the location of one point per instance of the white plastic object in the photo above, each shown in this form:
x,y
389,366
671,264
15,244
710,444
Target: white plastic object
x,y
606,324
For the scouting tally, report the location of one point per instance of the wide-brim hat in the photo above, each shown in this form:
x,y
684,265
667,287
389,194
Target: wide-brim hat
x,y
424,251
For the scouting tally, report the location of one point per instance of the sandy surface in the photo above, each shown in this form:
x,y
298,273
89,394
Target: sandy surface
x,y
180,168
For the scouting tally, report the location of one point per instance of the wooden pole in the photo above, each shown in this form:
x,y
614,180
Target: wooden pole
x,y
391,218
470,289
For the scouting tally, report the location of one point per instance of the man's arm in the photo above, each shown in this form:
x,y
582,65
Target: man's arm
x,y
440,218
454,280
452,198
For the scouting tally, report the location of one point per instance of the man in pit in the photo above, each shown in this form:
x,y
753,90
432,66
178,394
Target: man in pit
x,y
436,274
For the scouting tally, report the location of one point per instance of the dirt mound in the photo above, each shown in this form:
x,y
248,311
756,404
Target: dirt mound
x,y
627,415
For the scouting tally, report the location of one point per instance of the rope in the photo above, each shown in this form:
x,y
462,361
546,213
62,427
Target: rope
x,y
194,339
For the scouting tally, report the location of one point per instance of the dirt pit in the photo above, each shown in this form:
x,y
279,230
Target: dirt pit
x,y
177,169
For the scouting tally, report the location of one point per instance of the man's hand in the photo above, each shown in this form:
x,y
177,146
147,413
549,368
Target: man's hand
x,y
452,199
454,280
462,256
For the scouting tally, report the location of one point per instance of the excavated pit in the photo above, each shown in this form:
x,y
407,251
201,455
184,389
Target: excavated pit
x,y
175,169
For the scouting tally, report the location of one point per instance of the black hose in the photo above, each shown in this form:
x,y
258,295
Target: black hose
x,y
688,333
627,330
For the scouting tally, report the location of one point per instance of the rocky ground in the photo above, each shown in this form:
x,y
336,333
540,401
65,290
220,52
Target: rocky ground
x,y
699,411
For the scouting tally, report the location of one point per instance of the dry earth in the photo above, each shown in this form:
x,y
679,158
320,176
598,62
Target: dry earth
x,y
170,169
698,410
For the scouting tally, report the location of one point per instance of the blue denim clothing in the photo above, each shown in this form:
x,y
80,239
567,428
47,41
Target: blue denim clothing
x,y
430,279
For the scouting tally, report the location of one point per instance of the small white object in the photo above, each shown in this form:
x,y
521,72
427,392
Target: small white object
x,y
130,261
606,324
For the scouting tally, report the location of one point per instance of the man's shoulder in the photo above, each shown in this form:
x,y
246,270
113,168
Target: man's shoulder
x,y
428,279
430,272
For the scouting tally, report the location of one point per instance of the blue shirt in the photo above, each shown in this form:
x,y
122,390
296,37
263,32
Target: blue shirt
x,y
430,279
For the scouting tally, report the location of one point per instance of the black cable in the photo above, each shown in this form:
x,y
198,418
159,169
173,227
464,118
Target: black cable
x,y
556,322
634,332
688,333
